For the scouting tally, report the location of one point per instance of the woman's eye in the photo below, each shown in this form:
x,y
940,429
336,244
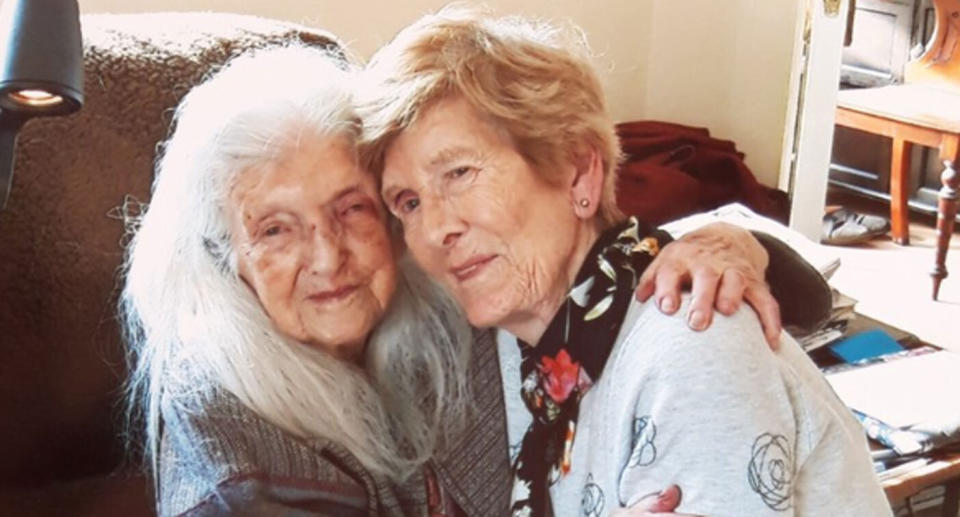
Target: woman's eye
x,y
407,204
272,230
355,208
459,172
411,204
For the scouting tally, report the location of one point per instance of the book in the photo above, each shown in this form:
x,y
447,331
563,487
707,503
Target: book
x,y
865,345
831,331
901,442
903,468
841,314
905,400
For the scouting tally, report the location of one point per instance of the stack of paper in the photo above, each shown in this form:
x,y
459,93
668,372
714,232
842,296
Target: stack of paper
x,y
909,398
840,317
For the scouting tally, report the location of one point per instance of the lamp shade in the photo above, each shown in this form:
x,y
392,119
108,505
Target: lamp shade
x,y
41,57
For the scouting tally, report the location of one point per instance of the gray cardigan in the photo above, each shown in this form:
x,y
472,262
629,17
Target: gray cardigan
x,y
218,457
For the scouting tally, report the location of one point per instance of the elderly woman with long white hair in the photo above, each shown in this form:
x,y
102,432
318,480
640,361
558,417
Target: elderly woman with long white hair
x,y
287,358
498,156
254,283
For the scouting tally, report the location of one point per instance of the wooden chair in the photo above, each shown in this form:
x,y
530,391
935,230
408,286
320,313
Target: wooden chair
x,y
925,110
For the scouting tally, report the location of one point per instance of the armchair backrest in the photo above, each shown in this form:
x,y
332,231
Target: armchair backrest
x,y
61,358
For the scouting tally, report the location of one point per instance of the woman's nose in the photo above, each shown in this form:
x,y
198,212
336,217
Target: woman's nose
x,y
327,251
442,224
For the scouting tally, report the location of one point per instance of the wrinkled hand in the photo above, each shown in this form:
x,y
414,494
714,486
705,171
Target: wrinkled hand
x,y
724,265
659,505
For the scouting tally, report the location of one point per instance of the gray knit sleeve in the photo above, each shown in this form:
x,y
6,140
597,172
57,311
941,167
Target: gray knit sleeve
x,y
260,495
217,457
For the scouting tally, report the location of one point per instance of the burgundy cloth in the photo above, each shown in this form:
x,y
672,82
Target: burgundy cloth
x,y
672,170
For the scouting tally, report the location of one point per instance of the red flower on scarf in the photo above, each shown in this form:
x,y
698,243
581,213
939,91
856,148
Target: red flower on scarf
x,y
560,376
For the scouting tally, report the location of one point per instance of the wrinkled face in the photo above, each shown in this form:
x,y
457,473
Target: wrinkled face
x,y
478,218
311,241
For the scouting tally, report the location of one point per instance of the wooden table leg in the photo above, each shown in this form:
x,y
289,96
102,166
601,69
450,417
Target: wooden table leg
x,y
946,212
951,499
899,180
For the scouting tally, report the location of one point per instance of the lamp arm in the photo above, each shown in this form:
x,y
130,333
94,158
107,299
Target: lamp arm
x,y
10,124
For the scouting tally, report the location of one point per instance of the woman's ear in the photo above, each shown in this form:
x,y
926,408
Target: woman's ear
x,y
587,186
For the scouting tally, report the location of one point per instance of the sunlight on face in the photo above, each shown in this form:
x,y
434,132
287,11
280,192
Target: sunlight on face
x,y
478,218
312,243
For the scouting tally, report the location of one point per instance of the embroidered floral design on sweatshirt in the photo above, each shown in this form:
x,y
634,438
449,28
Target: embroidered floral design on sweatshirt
x,y
642,443
771,471
591,502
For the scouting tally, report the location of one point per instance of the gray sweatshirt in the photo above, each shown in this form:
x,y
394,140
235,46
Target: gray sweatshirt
x,y
742,430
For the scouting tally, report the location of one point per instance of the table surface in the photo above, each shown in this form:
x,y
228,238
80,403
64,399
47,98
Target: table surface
x,y
945,467
917,104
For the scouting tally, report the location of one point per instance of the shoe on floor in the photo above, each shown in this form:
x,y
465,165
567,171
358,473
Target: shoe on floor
x,y
844,227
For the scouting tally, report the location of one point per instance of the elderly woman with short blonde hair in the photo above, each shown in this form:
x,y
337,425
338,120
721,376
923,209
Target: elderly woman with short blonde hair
x,y
498,156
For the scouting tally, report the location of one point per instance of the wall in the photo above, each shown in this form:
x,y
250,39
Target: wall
x,y
724,65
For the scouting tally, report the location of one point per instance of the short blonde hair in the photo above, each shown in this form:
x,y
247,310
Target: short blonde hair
x,y
533,80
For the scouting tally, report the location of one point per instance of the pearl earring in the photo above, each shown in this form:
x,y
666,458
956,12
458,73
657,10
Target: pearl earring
x,y
584,202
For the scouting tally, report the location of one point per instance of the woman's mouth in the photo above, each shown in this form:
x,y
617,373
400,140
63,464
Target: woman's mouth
x,y
472,267
333,295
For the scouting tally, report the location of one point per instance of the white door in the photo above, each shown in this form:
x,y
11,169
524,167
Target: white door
x,y
816,74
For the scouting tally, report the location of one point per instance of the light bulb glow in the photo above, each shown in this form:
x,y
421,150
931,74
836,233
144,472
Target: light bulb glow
x,y
35,98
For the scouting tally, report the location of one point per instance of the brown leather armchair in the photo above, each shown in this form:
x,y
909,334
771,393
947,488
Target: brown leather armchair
x,y
61,237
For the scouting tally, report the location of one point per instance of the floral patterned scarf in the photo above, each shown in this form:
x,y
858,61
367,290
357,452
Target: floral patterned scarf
x,y
571,354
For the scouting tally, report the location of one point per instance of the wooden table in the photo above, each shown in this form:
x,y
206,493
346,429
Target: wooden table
x,y
944,470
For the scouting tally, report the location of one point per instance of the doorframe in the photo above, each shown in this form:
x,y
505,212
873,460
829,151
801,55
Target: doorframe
x,y
808,136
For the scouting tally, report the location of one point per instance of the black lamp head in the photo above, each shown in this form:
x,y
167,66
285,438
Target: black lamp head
x,y
41,69
41,57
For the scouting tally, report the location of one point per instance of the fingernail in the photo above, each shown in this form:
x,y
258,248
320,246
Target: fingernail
x,y
697,320
727,307
667,304
679,495
665,500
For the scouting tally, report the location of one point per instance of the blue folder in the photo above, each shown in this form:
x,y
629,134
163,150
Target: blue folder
x,y
865,345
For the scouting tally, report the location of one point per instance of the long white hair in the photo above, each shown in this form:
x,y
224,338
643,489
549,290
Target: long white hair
x,y
192,325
